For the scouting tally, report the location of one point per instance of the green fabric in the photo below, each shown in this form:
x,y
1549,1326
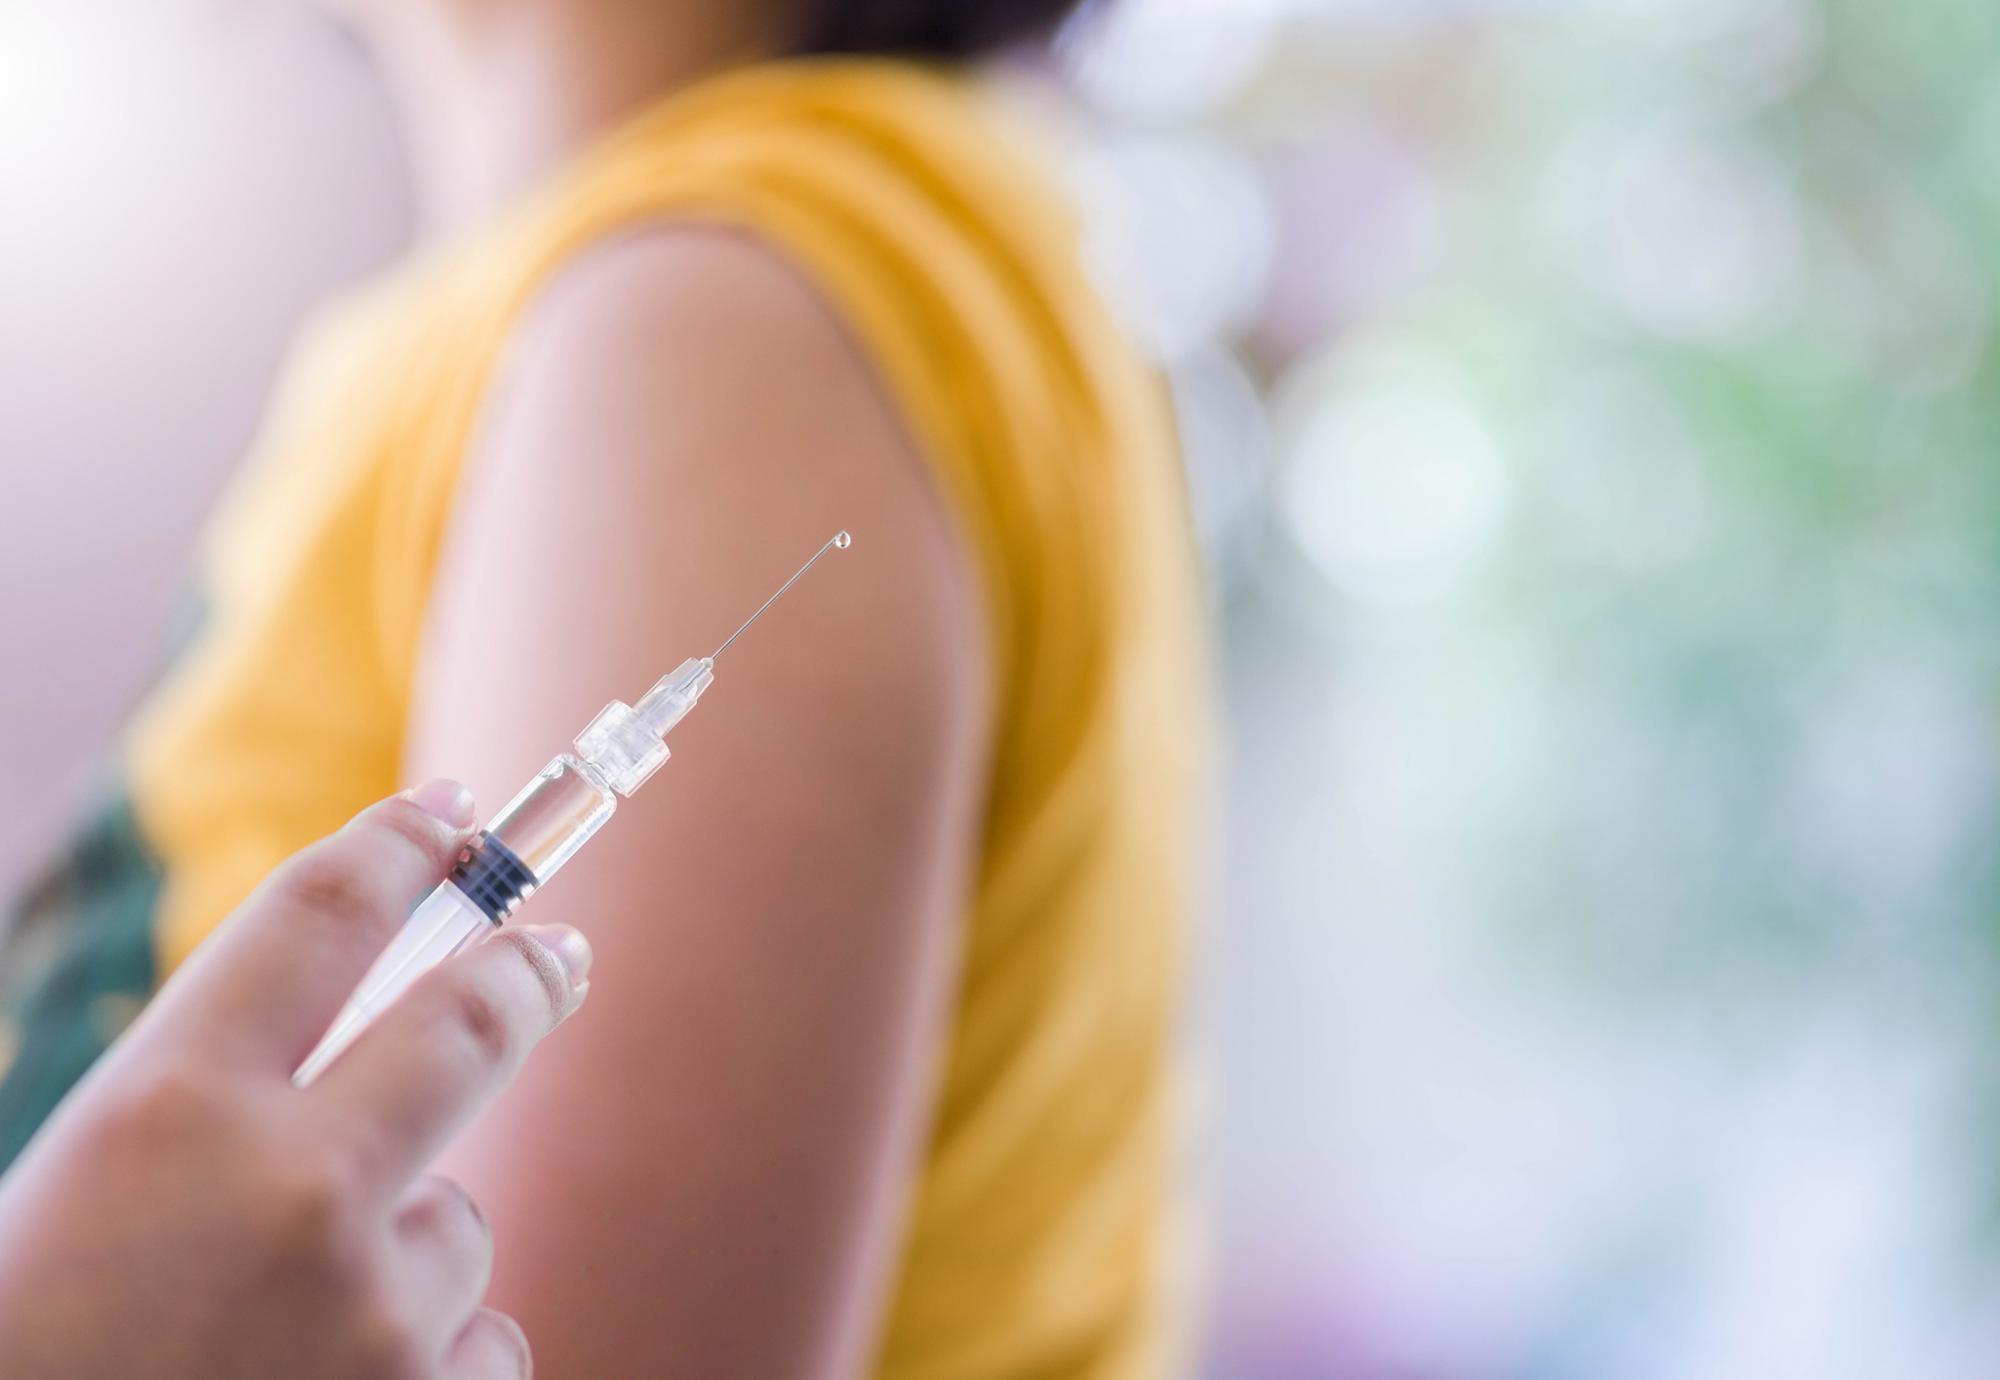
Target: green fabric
x,y
76,964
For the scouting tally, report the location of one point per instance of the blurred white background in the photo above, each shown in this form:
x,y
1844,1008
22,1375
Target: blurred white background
x,y
179,181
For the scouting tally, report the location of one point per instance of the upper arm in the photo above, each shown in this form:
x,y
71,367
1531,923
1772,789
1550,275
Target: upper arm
x,y
702,1173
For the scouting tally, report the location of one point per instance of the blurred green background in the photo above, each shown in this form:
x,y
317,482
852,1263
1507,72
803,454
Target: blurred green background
x,y
1606,960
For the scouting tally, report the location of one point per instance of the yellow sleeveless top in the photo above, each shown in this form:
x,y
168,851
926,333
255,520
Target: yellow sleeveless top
x,y
1041,1237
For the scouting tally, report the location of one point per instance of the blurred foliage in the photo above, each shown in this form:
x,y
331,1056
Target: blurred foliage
x,y
1717,280
1633,418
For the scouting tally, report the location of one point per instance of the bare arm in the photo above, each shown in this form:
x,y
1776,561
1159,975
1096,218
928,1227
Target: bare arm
x,y
706,1177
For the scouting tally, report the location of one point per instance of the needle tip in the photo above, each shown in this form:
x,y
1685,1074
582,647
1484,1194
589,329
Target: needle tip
x,y
841,540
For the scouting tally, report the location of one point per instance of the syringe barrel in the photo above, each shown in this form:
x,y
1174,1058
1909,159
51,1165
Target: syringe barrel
x,y
552,817
500,867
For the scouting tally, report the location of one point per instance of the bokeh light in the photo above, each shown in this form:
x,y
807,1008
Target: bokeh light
x,y
1179,236
1693,238
1392,484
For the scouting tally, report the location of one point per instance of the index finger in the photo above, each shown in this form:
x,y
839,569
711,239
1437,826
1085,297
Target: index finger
x,y
273,977
445,1048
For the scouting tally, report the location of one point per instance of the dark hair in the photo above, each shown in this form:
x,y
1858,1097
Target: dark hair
x,y
948,29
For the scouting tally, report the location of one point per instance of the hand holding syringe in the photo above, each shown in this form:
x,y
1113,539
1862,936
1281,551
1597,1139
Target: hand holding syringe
x,y
540,829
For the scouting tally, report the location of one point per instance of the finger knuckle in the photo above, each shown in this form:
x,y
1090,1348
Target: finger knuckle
x,y
328,884
424,1215
171,1103
445,1208
550,981
403,819
480,1022
310,1215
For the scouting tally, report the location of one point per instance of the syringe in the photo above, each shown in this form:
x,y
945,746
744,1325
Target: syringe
x,y
542,828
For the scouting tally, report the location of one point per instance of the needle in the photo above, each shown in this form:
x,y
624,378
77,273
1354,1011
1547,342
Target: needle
x,y
839,539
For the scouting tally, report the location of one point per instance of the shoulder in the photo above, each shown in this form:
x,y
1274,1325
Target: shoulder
x,y
716,303
698,372
681,416
701,354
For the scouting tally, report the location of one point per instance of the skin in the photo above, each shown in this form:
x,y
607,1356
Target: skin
x,y
710,1180
497,94
189,1212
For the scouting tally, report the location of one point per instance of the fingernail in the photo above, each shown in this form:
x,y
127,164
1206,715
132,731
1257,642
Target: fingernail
x,y
568,947
446,800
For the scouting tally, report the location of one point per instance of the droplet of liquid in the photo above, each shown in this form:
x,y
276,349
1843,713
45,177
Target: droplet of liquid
x,y
843,541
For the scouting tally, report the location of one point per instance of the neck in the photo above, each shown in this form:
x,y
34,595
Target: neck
x,y
498,94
